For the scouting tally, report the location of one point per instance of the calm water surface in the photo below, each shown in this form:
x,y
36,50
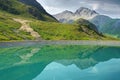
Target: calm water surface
x,y
59,62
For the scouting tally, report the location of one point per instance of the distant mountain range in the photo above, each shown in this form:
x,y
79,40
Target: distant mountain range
x,y
104,23
107,25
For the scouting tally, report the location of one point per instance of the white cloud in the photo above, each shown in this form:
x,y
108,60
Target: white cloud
x,y
95,6
108,7
51,9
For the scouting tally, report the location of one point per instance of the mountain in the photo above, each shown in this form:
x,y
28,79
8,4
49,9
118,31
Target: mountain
x,y
107,25
26,8
85,13
104,24
77,31
100,20
65,16
69,17
28,20
87,24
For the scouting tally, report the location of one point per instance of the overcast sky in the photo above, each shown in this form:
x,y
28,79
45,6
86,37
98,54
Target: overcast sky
x,y
108,7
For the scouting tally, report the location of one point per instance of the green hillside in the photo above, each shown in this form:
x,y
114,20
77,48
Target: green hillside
x,y
41,23
9,29
107,25
20,8
58,31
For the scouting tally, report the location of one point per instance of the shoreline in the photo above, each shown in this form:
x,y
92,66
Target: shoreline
x,y
60,42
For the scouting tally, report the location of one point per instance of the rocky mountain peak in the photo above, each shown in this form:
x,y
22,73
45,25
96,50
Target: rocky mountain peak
x,y
85,11
82,8
66,11
82,12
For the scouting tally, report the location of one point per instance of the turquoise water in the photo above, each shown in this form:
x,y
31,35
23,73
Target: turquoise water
x,y
59,62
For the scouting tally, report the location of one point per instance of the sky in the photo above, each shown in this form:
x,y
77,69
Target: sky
x,y
105,7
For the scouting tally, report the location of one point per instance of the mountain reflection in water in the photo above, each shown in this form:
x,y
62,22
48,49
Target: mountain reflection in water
x,y
60,62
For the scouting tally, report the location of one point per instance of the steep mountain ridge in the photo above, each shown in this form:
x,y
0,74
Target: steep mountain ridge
x,y
37,5
33,3
26,8
88,24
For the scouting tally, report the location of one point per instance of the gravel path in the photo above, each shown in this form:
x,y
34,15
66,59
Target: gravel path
x,y
27,28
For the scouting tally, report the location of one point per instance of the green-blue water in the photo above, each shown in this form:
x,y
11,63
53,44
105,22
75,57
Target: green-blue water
x,y
59,62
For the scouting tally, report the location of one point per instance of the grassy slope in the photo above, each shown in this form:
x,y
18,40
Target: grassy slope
x,y
58,31
9,29
47,30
